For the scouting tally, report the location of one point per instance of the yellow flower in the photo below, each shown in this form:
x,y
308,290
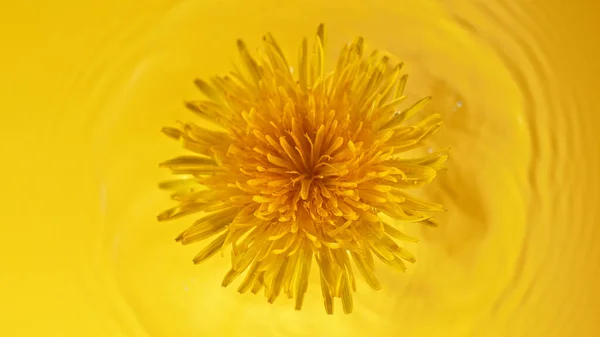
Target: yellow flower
x,y
292,164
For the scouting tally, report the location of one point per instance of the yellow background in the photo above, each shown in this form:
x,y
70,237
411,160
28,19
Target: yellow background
x,y
86,85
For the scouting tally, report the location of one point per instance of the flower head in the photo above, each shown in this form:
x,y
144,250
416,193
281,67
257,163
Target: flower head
x,y
292,165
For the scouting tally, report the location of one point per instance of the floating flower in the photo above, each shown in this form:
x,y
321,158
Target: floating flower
x,y
292,165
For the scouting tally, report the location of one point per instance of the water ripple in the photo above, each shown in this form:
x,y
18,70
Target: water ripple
x,y
515,141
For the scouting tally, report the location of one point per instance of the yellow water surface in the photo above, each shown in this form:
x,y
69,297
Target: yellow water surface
x,y
85,88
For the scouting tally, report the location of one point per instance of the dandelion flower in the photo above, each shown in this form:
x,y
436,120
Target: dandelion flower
x,y
295,165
